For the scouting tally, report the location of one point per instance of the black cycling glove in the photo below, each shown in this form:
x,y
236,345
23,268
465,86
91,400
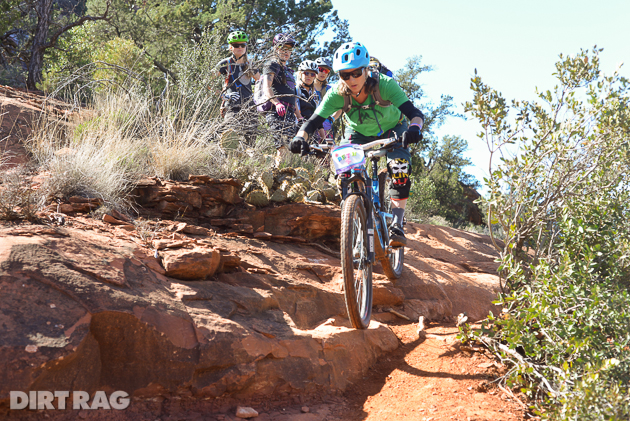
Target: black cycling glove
x,y
299,145
412,135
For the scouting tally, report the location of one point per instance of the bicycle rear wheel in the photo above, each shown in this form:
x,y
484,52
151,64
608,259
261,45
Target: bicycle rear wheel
x,y
357,270
392,263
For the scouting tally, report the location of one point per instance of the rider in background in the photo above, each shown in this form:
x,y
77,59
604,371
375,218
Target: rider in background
x,y
374,108
308,96
237,90
279,85
375,64
324,67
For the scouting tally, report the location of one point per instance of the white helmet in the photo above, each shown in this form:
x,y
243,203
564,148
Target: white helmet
x,y
308,65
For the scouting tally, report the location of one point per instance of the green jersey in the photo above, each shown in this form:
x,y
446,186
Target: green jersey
x,y
361,120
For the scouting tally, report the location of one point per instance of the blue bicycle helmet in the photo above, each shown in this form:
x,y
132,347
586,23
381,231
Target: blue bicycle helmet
x,y
351,55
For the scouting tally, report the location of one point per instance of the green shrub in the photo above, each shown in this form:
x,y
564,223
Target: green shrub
x,y
423,202
562,202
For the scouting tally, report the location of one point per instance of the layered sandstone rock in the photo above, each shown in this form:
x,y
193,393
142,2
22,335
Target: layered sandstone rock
x,y
91,307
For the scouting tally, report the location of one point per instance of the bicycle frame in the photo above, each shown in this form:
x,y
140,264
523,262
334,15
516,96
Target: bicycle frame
x,y
377,249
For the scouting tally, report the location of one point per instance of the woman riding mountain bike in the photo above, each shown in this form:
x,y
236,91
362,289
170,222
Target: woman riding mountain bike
x,y
309,98
237,90
374,108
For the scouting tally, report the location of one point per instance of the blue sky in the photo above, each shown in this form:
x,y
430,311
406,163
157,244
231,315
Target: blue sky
x,y
513,45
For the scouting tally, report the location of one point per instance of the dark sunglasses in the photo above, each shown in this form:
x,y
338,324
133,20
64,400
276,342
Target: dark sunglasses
x,y
238,45
324,70
356,73
313,74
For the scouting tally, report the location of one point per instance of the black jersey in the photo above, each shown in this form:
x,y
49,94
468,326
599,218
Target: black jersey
x,y
308,101
283,84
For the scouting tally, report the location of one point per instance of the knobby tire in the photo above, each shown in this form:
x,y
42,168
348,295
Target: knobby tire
x,y
357,270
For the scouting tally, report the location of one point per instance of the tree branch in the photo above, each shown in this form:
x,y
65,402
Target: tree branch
x,y
81,21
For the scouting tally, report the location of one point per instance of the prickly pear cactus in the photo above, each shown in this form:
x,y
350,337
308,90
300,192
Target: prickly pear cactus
x,y
303,181
266,178
316,196
302,172
296,193
230,140
288,171
286,185
278,196
320,184
247,187
330,193
257,198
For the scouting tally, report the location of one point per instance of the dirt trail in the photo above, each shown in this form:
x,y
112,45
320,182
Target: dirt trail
x,y
426,379
431,379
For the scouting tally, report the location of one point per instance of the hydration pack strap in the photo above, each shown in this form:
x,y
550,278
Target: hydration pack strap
x,y
378,100
376,94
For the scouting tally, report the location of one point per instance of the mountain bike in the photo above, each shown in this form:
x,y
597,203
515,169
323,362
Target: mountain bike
x,y
365,219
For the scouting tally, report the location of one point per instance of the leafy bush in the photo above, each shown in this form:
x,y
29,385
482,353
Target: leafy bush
x,y
438,188
562,202
120,54
423,202
13,75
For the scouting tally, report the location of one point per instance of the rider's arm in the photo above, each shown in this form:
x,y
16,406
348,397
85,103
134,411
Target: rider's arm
x,y
309,127
255,74
222,67
412,113
270,70
331,103
266,85
298,109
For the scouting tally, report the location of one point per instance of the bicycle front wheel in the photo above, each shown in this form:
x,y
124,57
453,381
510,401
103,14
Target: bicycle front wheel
x,y
357,269
392,263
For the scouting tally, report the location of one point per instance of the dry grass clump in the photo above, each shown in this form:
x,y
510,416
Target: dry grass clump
x,y
18,199
124,137
97,159
128,132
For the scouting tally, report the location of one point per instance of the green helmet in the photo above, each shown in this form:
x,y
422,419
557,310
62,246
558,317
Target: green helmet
x,y
237,36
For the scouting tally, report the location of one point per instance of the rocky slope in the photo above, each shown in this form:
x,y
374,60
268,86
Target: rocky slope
x,y
206,297
86,307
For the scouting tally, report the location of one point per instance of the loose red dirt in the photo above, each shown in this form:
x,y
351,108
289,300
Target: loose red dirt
x,y
432,378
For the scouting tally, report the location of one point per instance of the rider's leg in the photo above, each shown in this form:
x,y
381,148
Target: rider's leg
x,y
283,129
398,210
399,167
251,129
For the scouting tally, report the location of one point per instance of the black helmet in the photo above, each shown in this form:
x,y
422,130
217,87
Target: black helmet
x,y
323,62
283,39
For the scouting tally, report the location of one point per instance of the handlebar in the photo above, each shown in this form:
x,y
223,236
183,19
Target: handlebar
x,y
322,147
379,142
383,143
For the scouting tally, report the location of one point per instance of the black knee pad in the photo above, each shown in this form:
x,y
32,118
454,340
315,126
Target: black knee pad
x,y
399,170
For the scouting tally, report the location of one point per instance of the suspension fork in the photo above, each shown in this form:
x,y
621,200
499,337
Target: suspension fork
x,y
367,204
